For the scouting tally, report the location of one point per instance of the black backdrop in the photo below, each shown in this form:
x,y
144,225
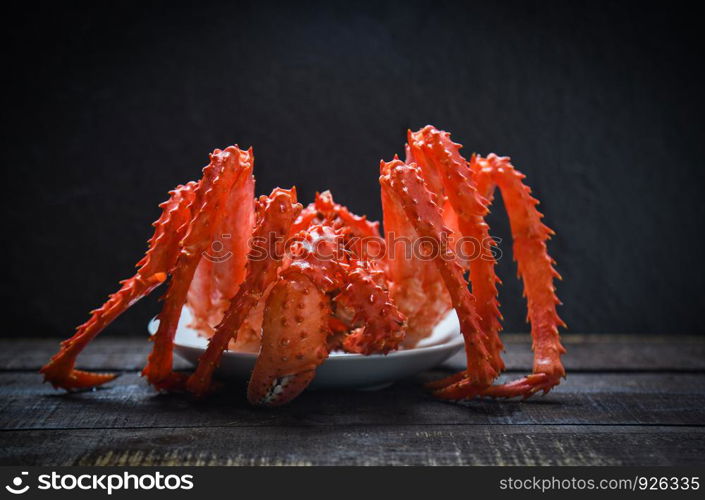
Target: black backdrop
x,y
600,104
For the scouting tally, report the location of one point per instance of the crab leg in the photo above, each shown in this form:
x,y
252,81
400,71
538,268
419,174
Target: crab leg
x,y
152,271
406,185
535,269
276,214
234,238
440,159
200,298
249,336
227,170
360,225
382,324
222,270
416,285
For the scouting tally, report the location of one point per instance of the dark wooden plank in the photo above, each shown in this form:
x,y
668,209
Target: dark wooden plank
x,y
354,445
614,399
106,353
604,352
585,352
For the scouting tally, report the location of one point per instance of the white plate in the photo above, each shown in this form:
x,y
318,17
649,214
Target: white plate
x,y
340,370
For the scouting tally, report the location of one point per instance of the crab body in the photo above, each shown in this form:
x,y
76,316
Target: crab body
x,y
292,283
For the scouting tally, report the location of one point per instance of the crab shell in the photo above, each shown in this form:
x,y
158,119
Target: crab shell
x,y
291,283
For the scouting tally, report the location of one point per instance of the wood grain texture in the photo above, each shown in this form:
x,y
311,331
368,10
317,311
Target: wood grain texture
x,y
626,401
610,399
359,445
585,352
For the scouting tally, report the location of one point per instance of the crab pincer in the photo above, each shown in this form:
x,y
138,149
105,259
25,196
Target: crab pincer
x,y
276,213
293,284
294,341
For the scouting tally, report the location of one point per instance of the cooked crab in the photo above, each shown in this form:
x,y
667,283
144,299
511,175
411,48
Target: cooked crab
x,y
296,283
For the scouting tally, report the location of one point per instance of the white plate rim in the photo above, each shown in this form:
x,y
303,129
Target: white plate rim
x,y
454,340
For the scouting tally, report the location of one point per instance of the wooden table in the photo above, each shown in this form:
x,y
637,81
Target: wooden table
x,y
630,400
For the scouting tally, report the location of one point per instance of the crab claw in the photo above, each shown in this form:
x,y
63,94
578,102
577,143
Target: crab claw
x,y
279,390
294,341
382,323
275,215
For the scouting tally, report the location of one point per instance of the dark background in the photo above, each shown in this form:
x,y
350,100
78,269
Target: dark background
x,y
599,103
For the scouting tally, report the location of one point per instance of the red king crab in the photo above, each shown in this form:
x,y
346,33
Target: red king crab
x,y
300,282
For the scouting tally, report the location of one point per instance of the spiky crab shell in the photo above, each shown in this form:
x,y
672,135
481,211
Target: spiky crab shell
x,y
295,299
